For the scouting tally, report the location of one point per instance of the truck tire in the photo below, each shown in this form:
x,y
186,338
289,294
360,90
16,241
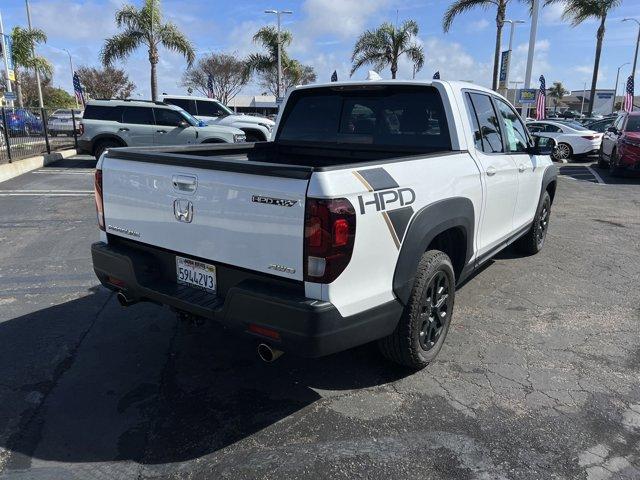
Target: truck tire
x,y
103,145
533,241
424,324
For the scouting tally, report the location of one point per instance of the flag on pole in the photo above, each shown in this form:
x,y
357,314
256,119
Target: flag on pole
x,y
541,101
436,76
77,89
628,95
334,76
210,87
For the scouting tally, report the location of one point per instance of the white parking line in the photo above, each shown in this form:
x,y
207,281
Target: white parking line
x,y
596,175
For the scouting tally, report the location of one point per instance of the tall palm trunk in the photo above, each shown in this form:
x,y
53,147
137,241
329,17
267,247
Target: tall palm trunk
x,y
394,69
596,64
153,60
496,54
19,87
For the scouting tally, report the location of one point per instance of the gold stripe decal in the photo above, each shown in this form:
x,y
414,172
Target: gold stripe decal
x,y
364,182
392,230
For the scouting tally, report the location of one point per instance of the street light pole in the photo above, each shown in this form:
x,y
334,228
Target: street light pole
x,y
635,56
278,13
513,27
72,72
532,46
615,90
5,54
33,52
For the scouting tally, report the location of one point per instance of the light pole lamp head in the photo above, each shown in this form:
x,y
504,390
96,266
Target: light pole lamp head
x,y
632,19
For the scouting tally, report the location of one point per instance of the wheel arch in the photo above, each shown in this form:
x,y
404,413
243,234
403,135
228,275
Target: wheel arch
x,y
214,140
98,139
447,224
254,132
549,182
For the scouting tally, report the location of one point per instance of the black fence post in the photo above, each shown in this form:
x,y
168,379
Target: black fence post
x,y
5,131
45,128
75,131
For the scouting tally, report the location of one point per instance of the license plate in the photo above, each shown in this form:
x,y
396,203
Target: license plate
x,y
196,274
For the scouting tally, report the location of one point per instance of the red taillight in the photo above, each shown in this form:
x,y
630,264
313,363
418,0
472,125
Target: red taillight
x,y
589,137
81,128
264,331
330,230
97,187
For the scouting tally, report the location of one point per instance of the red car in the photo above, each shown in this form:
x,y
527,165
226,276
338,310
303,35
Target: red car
x,y
620,149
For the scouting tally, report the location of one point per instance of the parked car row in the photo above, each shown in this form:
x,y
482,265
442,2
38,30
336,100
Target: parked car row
x,y
620,149
61,121
573,139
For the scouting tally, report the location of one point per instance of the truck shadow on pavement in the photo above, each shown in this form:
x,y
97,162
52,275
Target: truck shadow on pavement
x,y
136,384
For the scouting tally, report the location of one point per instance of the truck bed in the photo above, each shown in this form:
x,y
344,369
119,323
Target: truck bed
x,y
266,158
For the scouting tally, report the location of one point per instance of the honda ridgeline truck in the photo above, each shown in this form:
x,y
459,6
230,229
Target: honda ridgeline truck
x,y
354,224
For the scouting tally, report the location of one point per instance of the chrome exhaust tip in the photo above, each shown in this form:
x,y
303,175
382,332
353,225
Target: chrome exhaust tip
x,y
124,300
268,354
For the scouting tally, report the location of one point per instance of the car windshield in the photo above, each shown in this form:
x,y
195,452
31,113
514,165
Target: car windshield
x,y
633,124
226,109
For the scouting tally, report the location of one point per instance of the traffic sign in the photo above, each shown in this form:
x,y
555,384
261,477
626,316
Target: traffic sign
x,y
8,96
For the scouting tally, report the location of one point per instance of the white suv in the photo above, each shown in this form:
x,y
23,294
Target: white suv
x,y
139,123
212,112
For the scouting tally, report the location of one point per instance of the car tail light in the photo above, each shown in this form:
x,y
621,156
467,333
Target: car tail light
x,y
590,137
330,230
81,128
97,186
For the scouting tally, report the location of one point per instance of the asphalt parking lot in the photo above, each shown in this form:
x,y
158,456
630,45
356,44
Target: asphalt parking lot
x,y
538,378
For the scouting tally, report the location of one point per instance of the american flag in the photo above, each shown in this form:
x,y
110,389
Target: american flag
x,y
436,76
541,101
77,88
334,76
628,95
210,87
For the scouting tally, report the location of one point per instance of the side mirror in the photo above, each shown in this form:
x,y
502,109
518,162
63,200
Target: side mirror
x,y
612,129
543,145
183,124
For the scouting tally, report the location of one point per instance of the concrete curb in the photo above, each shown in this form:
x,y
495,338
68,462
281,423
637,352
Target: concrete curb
x,y
17,168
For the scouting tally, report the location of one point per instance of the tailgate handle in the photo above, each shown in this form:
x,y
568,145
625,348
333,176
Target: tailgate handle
x,y
185,183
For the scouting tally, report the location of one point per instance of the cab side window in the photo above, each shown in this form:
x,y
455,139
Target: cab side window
x,y
209,109
552,129
515,131
488,122
473,120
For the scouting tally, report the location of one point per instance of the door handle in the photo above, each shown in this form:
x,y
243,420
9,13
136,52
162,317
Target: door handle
x,y
185,183
161,131
123,129
491,171
522,167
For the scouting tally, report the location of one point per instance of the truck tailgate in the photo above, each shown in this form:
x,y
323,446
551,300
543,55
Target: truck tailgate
x,y
242,219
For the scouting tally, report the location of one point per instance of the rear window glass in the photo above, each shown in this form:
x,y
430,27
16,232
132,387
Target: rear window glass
x,y
101,112
184,103
633,124
138,115
394,116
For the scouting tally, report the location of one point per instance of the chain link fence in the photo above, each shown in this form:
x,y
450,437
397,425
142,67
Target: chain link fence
x,y
28,132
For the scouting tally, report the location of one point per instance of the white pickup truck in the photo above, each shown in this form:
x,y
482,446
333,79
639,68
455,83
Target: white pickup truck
x,y
356,223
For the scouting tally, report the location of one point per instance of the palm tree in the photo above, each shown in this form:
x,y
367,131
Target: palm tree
x,y
266,64
557,92
24,42
144,27
385,45
577,11
461,6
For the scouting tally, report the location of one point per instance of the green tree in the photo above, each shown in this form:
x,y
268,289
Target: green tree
x,y
106,82
52,97
557,92
384,46
578,11
24,43
145,26
462,6
265,65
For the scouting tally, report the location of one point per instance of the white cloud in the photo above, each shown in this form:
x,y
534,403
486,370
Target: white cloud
x,y
479,25
552,14
342,18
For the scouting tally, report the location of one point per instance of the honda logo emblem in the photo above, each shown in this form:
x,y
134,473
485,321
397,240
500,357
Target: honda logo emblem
x,y
183,210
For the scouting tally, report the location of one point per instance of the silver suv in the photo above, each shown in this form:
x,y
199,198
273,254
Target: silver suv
x,y
136,123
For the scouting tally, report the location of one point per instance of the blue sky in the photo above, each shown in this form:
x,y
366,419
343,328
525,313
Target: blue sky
x,y
325,31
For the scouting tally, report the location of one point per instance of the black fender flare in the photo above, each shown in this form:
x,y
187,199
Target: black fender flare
x,y
105,136
550,176
427,224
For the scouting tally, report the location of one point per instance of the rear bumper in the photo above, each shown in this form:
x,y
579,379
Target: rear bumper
x,y
308,327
